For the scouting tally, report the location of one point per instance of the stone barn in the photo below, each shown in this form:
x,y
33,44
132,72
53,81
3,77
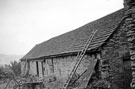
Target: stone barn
x,y
112,46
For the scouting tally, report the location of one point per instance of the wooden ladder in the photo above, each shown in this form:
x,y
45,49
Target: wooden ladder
x,y
79,58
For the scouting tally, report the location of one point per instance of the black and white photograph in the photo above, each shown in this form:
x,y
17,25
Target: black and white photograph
x,y
67,44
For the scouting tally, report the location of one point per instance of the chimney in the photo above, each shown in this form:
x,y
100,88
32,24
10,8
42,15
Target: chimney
x,y
128,4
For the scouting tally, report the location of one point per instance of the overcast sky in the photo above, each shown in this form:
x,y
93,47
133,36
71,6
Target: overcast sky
x,y
24,23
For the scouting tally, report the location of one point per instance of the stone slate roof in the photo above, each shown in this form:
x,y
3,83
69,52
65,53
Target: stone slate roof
x,y
74,41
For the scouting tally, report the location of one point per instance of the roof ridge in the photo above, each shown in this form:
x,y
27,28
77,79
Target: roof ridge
x,y
65,43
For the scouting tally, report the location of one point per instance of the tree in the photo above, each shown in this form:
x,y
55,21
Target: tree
x,y
15,67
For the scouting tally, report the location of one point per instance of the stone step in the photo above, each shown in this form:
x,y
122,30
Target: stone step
x,y
130,25
132,57
105,65
133,68
105,69
133,74
131,46
132,52
130,33
132,63
130,39
132,84
129,19
133,80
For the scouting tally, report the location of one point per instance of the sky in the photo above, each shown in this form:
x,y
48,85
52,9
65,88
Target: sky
x,y
25,23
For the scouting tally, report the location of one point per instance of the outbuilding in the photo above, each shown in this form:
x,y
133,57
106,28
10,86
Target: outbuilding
x,y
112,46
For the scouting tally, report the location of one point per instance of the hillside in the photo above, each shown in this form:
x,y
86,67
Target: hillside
x,y
6,59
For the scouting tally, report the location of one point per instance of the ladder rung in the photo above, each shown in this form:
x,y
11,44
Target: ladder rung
x,y
79,58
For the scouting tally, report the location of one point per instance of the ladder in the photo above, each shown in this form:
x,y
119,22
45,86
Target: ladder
x,y
79,58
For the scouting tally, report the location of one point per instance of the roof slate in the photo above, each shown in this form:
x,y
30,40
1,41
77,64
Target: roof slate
x,y
74,41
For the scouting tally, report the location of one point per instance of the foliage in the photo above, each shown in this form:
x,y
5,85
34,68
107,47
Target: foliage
x,y
1,69
10,70
15,67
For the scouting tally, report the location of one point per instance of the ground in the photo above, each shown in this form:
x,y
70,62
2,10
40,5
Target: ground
x,y
3,85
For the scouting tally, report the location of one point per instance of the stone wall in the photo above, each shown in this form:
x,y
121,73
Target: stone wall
x,y
33,68
63,66
59,67
24,67
118,47
55,71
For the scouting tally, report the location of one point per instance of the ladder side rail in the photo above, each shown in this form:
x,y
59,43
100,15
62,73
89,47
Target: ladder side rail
x,y
80,56
84,50
85,47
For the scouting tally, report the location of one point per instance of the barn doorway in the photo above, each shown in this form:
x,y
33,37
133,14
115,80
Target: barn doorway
x,y
37,68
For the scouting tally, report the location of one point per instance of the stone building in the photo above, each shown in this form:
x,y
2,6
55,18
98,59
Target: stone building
x,y
112,46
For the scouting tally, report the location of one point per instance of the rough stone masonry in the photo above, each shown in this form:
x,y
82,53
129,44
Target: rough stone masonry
x,y
119,52
130,13
119,48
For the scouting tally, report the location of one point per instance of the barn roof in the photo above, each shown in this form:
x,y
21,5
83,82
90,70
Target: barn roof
x,y
74,41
